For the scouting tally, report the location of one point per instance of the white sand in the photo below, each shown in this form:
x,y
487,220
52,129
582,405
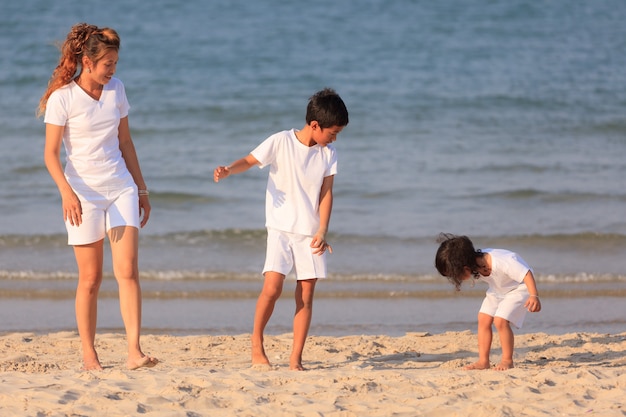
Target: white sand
x,y
414,375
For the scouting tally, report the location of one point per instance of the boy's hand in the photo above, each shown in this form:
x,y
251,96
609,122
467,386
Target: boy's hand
x,y
320,245
220,172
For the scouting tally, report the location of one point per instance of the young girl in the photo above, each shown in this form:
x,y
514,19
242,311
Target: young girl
x,y
512,291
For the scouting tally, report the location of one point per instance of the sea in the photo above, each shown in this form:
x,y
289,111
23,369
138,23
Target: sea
x,y
502,120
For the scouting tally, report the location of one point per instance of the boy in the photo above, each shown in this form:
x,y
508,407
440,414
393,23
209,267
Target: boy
x,y
299,199
512,291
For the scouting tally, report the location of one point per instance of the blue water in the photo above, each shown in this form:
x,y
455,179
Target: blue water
x,y
502,120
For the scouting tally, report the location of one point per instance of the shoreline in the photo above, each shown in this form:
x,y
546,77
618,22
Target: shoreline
x,y
331,316
418,373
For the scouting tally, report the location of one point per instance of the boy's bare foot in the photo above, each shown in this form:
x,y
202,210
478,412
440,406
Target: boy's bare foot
x,y
295,363
477,366
144,362
504,365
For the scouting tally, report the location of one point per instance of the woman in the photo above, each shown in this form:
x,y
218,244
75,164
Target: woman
x,y
102,188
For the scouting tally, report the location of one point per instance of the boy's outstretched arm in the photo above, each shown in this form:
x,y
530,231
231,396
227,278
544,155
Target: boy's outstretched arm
x,y
236,167
533,304
326,207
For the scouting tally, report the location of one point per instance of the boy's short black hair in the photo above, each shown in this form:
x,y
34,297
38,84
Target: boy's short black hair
x,y
327,108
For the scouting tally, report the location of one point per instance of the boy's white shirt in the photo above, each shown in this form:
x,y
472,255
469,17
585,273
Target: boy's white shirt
x,y
295,181
90,137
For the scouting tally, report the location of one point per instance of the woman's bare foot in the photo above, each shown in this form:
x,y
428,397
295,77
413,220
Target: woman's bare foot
x,y
258,355
143,362
477,366
504,365
91,362
93,365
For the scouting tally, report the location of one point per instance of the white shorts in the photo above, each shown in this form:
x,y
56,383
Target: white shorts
x,y
287,251
509,306
102,211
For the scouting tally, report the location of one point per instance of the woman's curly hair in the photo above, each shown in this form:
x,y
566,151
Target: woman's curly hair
x,y
82,40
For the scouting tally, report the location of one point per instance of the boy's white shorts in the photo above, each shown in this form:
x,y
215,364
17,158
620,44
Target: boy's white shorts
x,y
102,211
509,306
287,251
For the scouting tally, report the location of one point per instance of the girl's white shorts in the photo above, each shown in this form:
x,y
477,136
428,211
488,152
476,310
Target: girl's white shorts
x,y
287,251
102,211
509,306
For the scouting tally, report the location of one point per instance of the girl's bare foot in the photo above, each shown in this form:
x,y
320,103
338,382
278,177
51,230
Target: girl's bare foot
x,y
477,366
503,366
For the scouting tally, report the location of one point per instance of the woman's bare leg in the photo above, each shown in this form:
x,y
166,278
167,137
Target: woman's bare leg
x,y
124,249
89,262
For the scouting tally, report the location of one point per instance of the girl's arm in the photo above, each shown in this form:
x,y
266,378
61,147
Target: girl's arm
x,y
326,207
533,304
72,209
127,147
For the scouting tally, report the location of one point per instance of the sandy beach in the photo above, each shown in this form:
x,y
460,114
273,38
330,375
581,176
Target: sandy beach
x,y
417,374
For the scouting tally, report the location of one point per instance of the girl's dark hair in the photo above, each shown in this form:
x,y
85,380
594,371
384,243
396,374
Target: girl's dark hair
x,y
327,108
455,253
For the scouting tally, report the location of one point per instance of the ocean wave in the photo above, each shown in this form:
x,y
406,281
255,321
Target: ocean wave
x,y
168,198
194,237
613,127
26,241
188,276
591,240
252,292
236,255
552,197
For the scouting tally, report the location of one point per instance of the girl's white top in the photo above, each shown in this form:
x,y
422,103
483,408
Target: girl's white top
x,y
508,271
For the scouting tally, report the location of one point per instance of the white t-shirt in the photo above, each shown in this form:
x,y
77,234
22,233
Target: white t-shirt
x,y
90,137
508,271
295,181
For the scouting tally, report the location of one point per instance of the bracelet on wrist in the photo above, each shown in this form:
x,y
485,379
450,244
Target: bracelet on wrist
x,y
143,192
533,295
